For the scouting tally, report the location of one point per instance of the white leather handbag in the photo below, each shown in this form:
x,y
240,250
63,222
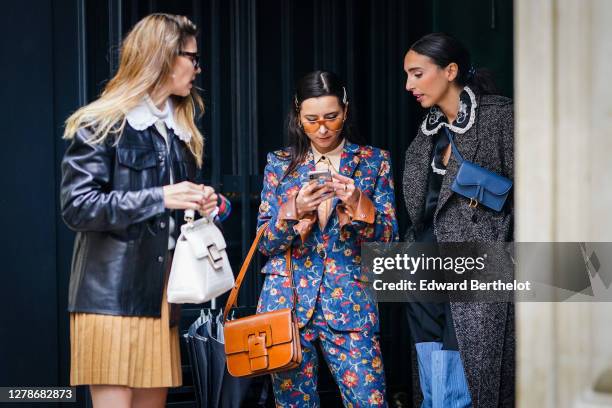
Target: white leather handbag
x,y
200,268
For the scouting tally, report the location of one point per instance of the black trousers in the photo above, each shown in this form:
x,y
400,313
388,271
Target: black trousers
x,y
431,322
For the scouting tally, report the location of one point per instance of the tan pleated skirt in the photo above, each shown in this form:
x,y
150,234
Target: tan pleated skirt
x,y
137,352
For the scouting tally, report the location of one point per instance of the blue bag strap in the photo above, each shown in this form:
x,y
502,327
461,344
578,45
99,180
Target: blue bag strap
x,y
449,134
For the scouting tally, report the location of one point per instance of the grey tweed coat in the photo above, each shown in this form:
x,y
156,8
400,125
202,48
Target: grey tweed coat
x,y
485,331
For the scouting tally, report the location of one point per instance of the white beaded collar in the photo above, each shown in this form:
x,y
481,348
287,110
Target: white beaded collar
x,y
466,115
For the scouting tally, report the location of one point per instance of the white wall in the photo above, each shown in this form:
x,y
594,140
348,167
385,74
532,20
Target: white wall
x,y
563,102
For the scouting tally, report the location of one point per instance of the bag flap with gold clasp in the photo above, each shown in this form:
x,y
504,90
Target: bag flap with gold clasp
x,y
276,328
205,239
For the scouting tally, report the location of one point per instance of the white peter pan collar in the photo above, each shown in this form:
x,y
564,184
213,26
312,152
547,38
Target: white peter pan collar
x,y
145,114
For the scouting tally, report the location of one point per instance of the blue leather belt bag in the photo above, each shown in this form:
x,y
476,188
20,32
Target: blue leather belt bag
x,y
480,185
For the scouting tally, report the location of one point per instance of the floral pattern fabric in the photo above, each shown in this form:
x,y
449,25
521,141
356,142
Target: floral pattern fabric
x,y
333,304
353,358
329,258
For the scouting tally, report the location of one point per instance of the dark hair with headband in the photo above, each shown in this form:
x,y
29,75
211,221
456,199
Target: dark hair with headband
x,y
314,85
444,49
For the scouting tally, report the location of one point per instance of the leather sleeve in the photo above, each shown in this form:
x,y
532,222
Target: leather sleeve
x,y
88,201
288,212
364,211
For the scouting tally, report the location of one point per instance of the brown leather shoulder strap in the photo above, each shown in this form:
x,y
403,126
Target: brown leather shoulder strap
x,y
289,266
233,296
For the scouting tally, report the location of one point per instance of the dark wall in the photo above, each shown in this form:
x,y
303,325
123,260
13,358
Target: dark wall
x,y
29,317
486,29
58,55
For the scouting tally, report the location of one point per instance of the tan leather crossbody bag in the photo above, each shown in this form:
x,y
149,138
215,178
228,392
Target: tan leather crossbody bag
x,y
266,342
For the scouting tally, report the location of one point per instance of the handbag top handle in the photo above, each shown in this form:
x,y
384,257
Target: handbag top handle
x,y
233,296
449,134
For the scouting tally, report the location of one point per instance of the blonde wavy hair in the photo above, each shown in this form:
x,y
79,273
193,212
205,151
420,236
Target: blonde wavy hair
x,y
147,56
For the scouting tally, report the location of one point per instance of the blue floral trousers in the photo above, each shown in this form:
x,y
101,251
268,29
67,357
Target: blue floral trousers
x,y
353,358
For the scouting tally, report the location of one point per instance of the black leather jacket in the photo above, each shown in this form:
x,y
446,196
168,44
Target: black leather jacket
x,y
111,195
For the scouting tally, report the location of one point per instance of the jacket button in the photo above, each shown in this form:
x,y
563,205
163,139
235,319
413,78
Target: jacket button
x,y
474,218
162,225
160,259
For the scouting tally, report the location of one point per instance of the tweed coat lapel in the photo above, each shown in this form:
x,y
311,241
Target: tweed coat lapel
x,y
467,144
418,157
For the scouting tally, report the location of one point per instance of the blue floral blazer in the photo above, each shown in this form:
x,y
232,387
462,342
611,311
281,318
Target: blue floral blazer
x,y
326,262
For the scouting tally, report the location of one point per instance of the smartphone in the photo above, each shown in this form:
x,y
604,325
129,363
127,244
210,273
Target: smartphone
x,y
321,176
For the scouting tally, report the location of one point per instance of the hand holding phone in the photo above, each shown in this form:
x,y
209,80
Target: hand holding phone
x,y
318,189
320,176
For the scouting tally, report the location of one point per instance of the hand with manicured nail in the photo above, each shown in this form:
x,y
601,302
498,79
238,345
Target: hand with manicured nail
x,y
345,190
311,195
209,202
182,196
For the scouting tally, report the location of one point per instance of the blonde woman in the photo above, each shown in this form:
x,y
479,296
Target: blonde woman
x,y
127,176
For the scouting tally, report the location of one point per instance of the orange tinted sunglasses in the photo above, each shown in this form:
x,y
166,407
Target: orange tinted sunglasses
x,y
312,126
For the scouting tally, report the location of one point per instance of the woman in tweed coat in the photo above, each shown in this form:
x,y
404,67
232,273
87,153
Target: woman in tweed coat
x,y
472,343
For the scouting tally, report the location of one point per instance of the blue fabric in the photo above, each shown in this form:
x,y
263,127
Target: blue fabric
x,y
449,387
354,360
328,258
442,378
477,183
424,351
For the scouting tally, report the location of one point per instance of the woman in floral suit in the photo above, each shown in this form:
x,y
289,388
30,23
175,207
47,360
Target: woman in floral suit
x,y
324,221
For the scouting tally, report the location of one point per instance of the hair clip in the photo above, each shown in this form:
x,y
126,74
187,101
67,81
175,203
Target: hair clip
x,y
295,101
471,72
344,97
